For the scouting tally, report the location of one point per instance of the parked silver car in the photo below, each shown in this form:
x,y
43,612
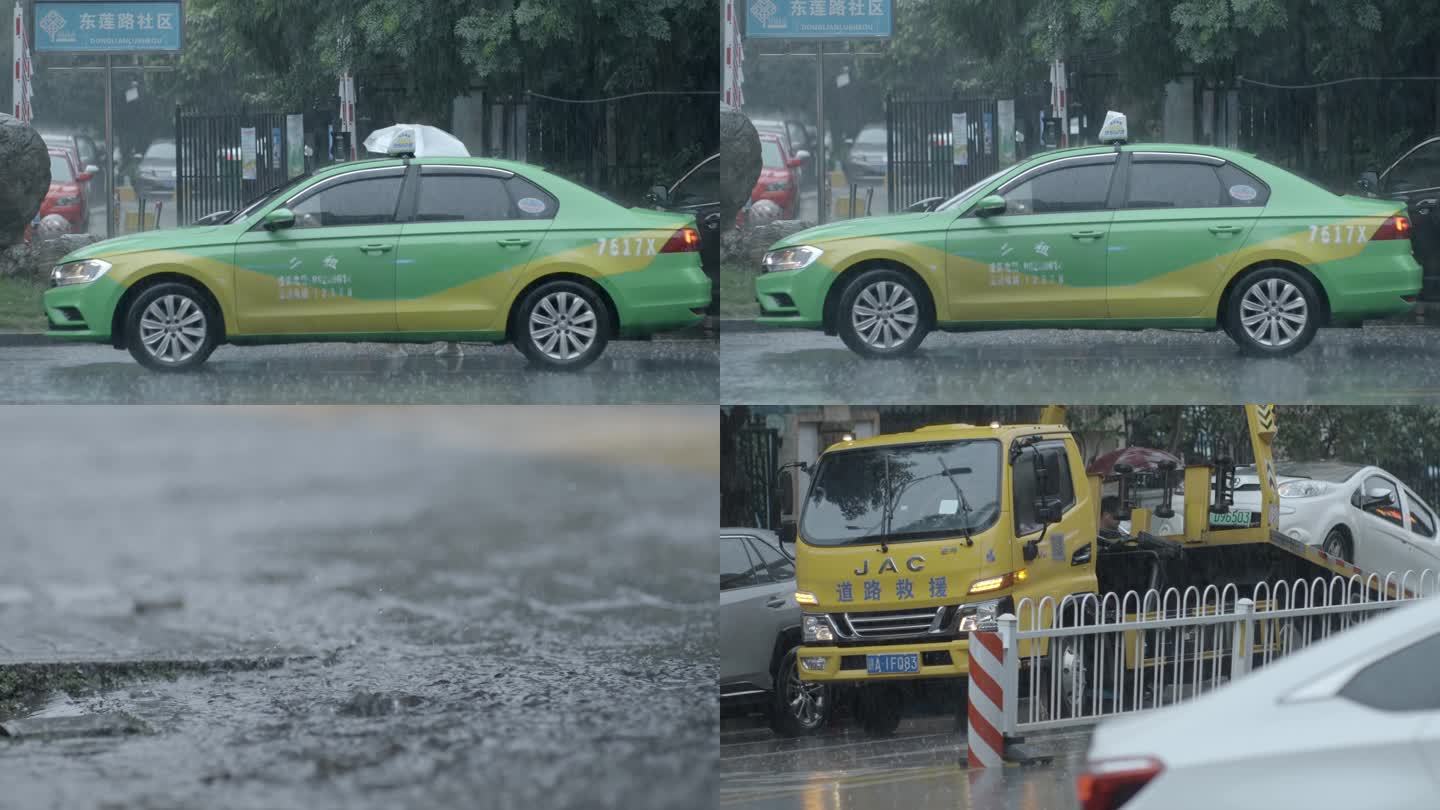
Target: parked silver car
x,y
760,631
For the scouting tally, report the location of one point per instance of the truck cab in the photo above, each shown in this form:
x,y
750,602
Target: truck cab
x,y
907,542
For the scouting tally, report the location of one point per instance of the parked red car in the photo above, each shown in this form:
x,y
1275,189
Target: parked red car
x,y
779,175
67,196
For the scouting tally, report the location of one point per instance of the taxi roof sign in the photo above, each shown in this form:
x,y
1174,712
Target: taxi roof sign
x,y
1114,130
402,144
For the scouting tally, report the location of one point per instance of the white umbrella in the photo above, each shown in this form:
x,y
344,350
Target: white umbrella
x,y
427,141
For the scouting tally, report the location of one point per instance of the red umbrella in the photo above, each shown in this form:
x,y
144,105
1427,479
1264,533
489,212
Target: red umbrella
x,y
1141,458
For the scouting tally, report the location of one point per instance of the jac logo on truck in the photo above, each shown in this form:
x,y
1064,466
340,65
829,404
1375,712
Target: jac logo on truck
x,y
916,563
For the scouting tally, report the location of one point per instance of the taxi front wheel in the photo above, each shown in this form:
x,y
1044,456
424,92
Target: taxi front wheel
x,y
882,314
171,327
1272,312
562,325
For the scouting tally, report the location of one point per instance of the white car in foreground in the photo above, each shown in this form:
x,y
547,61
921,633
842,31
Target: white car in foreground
x,y
1351,722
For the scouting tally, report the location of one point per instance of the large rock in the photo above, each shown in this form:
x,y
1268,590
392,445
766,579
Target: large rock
x,y
35,260
739,163
25,162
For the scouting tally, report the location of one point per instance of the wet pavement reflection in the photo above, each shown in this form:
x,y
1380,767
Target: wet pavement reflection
x,y
486,625
660,371
919,768
1377,364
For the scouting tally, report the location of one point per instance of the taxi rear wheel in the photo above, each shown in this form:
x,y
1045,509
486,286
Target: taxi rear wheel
x,y
171,327
562,325
883,314
1272,312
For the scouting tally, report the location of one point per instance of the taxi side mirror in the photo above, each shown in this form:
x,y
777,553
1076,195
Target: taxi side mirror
x,y
279,218
990,206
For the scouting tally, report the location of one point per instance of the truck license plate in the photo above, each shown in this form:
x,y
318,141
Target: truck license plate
x,y
892,663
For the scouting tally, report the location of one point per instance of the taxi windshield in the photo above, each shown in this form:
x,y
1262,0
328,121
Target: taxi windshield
x,y
964,197
274,193
927,488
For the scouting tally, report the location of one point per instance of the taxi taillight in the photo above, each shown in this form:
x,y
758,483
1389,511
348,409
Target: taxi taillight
x,y
685,240
1396,227
1109,784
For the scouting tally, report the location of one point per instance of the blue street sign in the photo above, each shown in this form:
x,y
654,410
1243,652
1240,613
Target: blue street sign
x,y
819,19
128,26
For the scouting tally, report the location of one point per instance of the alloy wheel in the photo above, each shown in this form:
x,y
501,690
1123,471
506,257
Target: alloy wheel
x,y
172,328
885,314
1273,312
562,325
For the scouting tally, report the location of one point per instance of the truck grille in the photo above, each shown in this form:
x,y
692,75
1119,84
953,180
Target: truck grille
x,y
891,623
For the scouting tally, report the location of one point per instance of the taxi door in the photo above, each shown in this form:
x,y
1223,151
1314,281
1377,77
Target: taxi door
x,y
473,232
333,271
1182,222
1043,258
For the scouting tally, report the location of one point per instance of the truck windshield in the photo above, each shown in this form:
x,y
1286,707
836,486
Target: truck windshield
x,y
848,499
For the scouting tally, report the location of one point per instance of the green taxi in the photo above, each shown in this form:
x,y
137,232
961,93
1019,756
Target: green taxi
x,y
395,249
1122,236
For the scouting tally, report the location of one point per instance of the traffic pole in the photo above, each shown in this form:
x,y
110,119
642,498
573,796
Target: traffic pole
x,y
985,740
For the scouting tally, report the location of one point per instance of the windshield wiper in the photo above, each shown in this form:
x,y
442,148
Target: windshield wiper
x,y
964,504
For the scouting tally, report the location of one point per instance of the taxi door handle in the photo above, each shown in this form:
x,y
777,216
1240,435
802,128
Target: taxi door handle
x,y
1088,234
776,602
1224,229
513,242
376,247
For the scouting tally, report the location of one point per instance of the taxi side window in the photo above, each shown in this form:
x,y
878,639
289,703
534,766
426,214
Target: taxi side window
x,y
1242,188
777,565
462,197
1378,497
737,566
368,200
1063,190
1403,681
1173,184
529,200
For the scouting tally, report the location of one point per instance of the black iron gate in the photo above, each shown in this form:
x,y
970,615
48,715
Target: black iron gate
x,y
922,159
749,496
209,164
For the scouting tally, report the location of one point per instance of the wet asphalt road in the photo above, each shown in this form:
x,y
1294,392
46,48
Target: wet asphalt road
x,y
918,769
660,371
1374,365
507,608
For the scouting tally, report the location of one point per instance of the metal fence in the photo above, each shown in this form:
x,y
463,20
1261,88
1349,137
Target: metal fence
x,y
209,166
1080,660
620,146
921,161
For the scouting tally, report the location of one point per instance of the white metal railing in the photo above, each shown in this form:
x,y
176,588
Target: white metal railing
x,y
1082,659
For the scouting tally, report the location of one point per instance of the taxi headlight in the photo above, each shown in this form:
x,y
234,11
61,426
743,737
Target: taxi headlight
x,y
817,629
792,258
979,615
81,272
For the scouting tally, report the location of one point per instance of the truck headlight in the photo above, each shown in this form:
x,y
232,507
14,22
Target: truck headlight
x,y
81,272
792,258
1303,489
817,629
979,615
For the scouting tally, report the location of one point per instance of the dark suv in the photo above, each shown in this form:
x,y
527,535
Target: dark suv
x,y
1415,180
698,194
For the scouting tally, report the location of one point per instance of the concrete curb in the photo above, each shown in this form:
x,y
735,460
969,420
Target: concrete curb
x,y
10,340
739,325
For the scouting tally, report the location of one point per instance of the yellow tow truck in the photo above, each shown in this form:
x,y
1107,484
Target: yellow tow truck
x,y
909,541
